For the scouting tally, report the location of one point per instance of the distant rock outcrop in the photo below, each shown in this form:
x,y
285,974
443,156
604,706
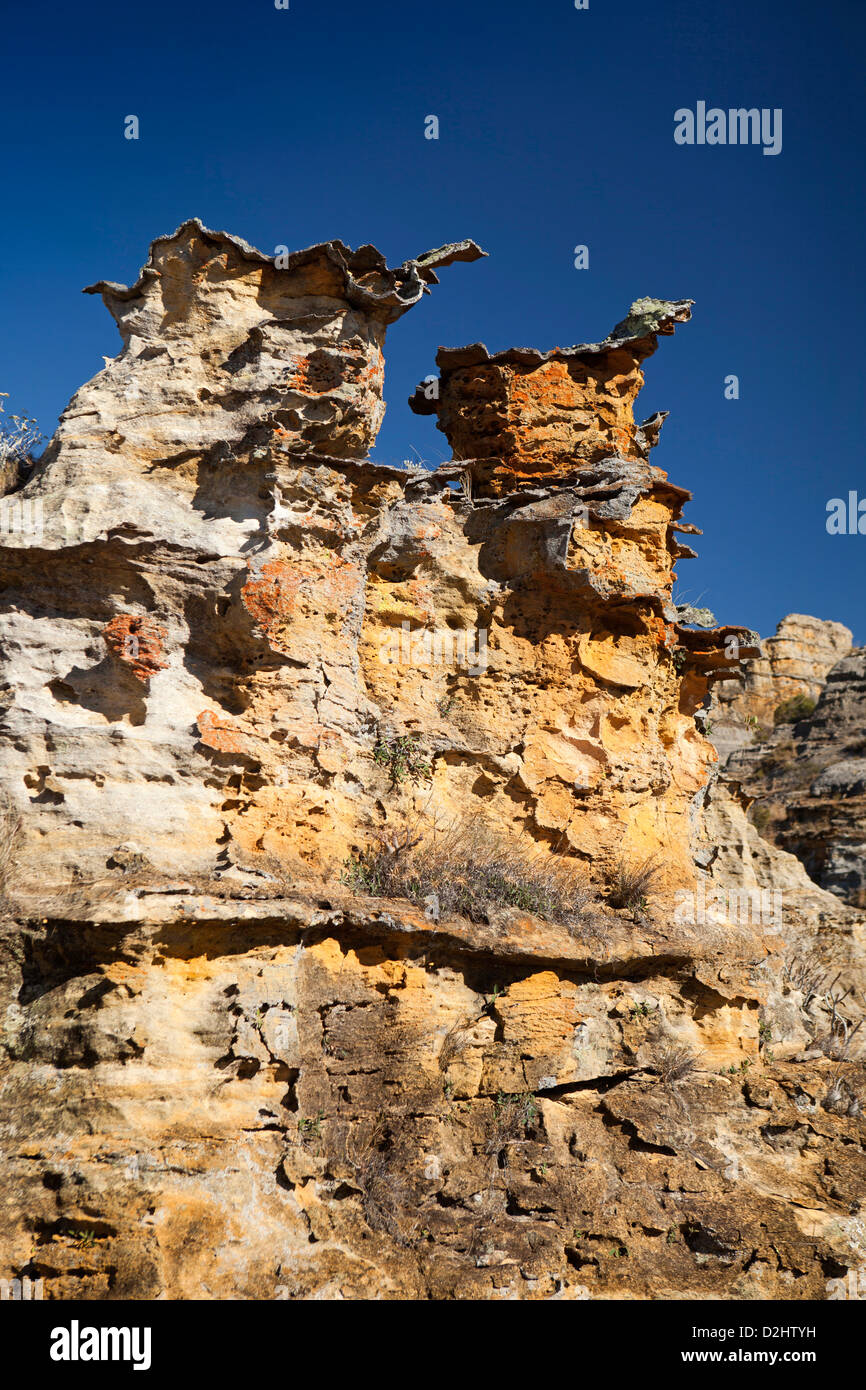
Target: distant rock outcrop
x,y
825,825
793,662
806,780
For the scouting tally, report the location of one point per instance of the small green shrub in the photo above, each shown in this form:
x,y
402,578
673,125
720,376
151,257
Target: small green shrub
x,y
310,1127
760,817
793,710
404,759
369,871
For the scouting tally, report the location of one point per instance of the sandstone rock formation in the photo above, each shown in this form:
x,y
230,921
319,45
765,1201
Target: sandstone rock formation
x,y
784,814
177,546
240,657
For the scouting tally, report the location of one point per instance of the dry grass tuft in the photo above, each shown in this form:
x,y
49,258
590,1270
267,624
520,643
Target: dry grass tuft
x,y
675,1063
469,871
514,1117
631,884
376,1152
805,974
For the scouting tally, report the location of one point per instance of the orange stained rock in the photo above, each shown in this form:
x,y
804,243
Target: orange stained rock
x,y
273,594
323,371
138,643
220,734
538,420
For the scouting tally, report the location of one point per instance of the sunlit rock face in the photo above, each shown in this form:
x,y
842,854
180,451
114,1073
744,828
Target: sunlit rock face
x,y
187,516
229,605
522,415
232,342
225,1071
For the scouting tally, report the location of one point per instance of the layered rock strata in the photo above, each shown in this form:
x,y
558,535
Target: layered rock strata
x,y
227,1073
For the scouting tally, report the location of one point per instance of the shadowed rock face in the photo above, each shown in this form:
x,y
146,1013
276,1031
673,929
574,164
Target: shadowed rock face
x,y
785,814
226,1074
825,826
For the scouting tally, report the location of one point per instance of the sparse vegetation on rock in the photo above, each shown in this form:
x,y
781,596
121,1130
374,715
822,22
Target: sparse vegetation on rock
x,y
471,871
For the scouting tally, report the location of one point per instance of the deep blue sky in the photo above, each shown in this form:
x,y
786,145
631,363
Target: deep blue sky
x,y
556,129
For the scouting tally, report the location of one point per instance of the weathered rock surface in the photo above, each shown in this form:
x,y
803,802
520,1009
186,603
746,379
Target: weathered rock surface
x,y
222,580
525,416
825,822
762,883
224,1073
